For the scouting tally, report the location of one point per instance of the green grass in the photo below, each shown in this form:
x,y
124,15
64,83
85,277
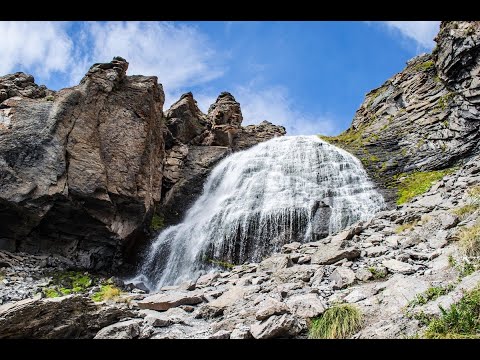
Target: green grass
x,y
68,282
106,292
417,183
425,66
406,226
338,322
51,293
469,240
431,294
465,210
157,222
49,98
221,263
461,320
377,273
444,100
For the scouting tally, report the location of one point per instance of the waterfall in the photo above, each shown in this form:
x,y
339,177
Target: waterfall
x,y
292,188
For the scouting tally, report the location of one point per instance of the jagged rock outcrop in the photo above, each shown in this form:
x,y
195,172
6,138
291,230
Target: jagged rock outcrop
x,y
80,174
199,141
21,84
427,116
185,120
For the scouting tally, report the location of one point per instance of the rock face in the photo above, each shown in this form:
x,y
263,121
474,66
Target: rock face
x,y
59,318
427,116
80,174
84,169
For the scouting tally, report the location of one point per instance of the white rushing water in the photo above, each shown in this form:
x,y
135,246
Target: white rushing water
x,y
256,200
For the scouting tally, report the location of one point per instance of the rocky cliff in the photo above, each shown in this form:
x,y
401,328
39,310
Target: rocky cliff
x,y
424,118
83,169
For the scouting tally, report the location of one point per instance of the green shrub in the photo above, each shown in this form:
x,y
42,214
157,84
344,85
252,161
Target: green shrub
x,y
432,293
461,320
406,226
106,292
338,322
417,183
51,293
157,222
221,263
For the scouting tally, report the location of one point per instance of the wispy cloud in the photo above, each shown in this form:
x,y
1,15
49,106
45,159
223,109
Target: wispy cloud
x,y
422,32
276,105
43,47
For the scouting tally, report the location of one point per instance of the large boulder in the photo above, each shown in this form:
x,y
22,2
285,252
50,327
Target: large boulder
x,y
81,171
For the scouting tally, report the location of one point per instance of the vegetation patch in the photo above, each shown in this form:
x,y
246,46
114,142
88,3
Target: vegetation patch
x,y
444,100
425,66
461,320
338,322
223,264
406,226
431,294
157,222
68,282
106,292
469,239
378,273
417,183
49,98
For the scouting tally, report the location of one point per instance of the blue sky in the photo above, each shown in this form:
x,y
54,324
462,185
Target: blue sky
x,y
308,76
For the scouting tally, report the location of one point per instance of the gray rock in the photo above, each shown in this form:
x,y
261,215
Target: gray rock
x,y
296,273
363,274
376,251
276,326
162,302
270,307
306,305
241,332
448,220
275,263
221,334
330,254
396,266
206,280
342,277
317,278
129,329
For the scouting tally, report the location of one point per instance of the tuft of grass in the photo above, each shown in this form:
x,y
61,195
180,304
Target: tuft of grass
x,y
444,100
417,183
432,293
406,226
469,240
461,320
157,222
338,322
49,98
51,293
377,273
106,292
221,263
466,210
425,66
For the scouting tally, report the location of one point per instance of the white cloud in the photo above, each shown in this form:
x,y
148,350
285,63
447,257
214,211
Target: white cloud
x,y
423,32
179,55
274,104
41,47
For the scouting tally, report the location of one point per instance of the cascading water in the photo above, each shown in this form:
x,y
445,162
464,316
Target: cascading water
x,y
292,188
